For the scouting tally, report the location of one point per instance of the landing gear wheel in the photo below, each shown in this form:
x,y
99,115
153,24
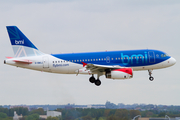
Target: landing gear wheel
x,y
151,78
92,79
98,82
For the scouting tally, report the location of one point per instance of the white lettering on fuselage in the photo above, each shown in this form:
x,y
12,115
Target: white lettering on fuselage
x,y
17,42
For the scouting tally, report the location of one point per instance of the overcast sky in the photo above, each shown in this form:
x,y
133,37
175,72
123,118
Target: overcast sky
x,y
57,26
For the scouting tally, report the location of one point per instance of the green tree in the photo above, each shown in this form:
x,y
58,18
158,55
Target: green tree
x,y
112,117
3,115
122,114
134,113
101,118
52,118
87,117
39,111
32,117
162,114
106,112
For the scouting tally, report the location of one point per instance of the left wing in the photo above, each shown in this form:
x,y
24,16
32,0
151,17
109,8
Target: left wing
x,y
94,68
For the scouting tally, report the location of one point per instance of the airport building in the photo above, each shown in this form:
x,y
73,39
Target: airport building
x,y
51,114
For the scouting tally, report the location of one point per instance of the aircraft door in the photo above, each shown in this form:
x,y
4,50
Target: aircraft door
x,y
45,62
151,57
108,59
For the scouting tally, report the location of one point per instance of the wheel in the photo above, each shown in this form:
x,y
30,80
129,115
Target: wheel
x,y
151,78
98,82
92,79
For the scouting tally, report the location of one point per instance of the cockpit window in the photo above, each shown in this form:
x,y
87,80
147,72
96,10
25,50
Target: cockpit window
x,y
164,55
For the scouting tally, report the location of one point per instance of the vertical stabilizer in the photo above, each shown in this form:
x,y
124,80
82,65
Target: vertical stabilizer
x,y
21,45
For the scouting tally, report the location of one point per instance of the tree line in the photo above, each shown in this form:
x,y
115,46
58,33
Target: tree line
x,y
84,114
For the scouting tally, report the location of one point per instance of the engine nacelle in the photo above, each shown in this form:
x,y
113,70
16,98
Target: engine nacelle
x,y
123,73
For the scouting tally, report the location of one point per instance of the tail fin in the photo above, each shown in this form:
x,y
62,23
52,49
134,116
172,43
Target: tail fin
x,y
21,45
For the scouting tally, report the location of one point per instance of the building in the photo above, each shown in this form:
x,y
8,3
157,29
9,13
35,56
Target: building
x,y
16,117
176,118
18,106
51,114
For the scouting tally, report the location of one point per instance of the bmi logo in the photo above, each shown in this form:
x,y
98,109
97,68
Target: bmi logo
x,y
17,42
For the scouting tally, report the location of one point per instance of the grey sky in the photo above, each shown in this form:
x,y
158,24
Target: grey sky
x,y
85,26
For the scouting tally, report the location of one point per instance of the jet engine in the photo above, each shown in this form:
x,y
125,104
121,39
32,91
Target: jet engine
x,y
123,73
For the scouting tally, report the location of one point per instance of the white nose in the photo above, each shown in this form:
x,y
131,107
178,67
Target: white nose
x,y
172,61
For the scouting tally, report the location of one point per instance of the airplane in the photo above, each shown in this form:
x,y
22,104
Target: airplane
x,y
112,64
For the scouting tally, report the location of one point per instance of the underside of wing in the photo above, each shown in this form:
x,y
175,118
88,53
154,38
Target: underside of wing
x,y
99,68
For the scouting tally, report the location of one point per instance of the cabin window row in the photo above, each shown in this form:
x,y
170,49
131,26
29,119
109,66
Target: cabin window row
x,y
100,59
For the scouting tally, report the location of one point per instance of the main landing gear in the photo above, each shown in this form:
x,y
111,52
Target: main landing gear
x,y
93,80
150,73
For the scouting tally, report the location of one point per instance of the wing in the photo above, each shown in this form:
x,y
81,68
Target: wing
x,y
95,68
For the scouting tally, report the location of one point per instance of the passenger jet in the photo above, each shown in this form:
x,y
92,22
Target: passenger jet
x,y
112,64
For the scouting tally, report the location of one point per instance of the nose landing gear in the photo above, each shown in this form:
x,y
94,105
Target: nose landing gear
x,y
150,73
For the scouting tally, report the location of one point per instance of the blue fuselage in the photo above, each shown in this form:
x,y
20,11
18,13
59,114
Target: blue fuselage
x,y
129,58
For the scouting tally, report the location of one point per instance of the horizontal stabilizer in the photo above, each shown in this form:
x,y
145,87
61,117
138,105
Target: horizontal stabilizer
x,y
23,61
9,57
